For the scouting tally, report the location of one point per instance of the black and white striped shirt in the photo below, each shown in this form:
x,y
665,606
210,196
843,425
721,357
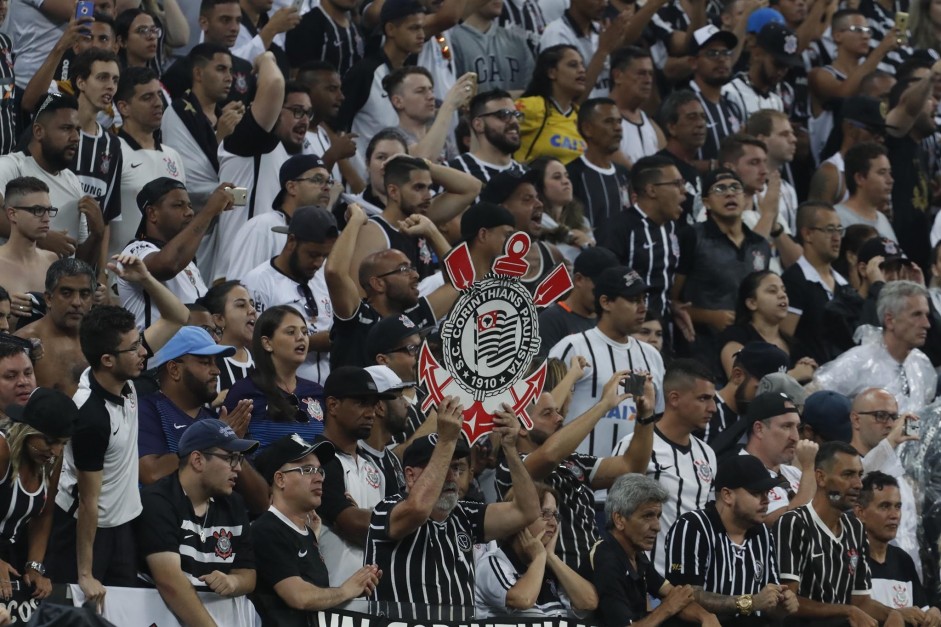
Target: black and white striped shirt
x,y
604,192
701,553
721,420
482,170
577,531
8,112
828,569
20,504
686,471
723,118
524,16
98,164
434,565
650,249
318,36
231,370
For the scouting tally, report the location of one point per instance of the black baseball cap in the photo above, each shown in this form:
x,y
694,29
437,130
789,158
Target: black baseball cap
x,y
311,224
151,193
592,261
48,411
291,448
769,405
882,247
828,412
745,471
502,185
780,41
619,281
709,33
714,176
387,334
397,9
292,169
210,432
54,102
484,215
762,358
865,111
352,382
420,450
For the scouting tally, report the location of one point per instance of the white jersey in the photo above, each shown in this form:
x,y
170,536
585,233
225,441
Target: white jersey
x,y
268,286
257,243
317,142
187,285
639,140
605,357
686,472
749,101
65,189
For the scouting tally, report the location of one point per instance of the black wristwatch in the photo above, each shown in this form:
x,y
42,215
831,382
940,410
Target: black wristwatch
x,y
776,233
647,421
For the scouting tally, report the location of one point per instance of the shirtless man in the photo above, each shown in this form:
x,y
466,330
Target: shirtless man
x,y
70,285
23,265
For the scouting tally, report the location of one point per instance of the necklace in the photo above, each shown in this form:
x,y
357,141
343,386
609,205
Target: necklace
x,y
201,526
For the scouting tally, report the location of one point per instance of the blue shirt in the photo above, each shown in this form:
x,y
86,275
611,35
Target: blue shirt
x,y
161,423
308,397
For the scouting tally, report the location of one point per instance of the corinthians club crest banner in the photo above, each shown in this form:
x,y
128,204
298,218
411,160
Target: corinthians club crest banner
x,y
490,337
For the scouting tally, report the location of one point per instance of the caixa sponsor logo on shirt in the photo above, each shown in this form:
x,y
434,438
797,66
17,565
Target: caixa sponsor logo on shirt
x,y
569,143
625,411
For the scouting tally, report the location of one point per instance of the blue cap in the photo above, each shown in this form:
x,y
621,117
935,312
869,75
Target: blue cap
x,y
189,341
210,433
759,18
828,413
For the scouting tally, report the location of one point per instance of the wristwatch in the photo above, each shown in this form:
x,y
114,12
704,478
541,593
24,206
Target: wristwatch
x,y
37,566
743,605
776,232
647,421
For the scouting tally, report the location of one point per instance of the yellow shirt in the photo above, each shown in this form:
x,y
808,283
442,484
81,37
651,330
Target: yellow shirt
x,y
553,136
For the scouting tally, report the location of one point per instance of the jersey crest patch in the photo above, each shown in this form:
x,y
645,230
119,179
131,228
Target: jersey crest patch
x,y
223,543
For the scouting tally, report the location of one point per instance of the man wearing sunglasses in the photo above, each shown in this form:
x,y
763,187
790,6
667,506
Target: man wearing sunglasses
x,y
194,531
495,125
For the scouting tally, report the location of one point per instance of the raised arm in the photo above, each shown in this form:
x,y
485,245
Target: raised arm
x,y
506,518
637,454
343,288
458,96
269,94
460,191
173,313
38,85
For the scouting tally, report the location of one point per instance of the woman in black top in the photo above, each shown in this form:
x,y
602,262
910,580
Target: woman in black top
x,y
233,314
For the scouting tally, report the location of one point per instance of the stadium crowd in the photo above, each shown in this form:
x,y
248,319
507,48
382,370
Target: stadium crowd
x,y
740,385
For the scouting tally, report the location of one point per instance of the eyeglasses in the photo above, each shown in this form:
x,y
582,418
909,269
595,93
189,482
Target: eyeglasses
x,y
132,349
405,268
306,471
411,349
503,114
724,188
715,53
864,30
549,514
318,179
233,460
211,330
830,230
880,415
40,210
300,112
146,31
678,184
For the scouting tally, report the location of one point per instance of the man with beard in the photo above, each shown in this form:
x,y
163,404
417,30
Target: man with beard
x,y
597,181
186,548
632,80
290,279
305,181
408,222
774,439
354,483
390,282
429,524
712,68
704,549
495,130
549,455
78,227
684,123
839,585
391,425
93,540
167,239
811,283
763,86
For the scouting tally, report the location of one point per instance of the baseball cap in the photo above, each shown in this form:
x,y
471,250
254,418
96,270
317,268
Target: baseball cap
x,y
387,334
291,448
865,111
783,383
151,193
828,413
761,358
54,102
769,405
780,41
745,471
484,215
709,33
592,261
210,432
48,411
189,341
882,247
619,281
419,451
352,382
292,169
502,185
759,18
386,379
310,224
714,176
397,9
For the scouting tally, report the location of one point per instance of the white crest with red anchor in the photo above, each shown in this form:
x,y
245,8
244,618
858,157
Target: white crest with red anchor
x,y
490,337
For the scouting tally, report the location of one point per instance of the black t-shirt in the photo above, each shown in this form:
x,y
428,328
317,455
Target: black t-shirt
x,y
691,176
348,337
319,37
809,299
178,78
895,582
622,589
604,193
284,552
557,321
911,198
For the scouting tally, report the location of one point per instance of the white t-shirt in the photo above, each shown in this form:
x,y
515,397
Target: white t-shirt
x,y
65,189
187,286
257,244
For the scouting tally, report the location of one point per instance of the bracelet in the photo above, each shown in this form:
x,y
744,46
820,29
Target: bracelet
x,y
647,421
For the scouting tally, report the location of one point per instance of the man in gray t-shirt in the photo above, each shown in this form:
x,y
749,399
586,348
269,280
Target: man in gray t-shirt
x,y
869,183
500,57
